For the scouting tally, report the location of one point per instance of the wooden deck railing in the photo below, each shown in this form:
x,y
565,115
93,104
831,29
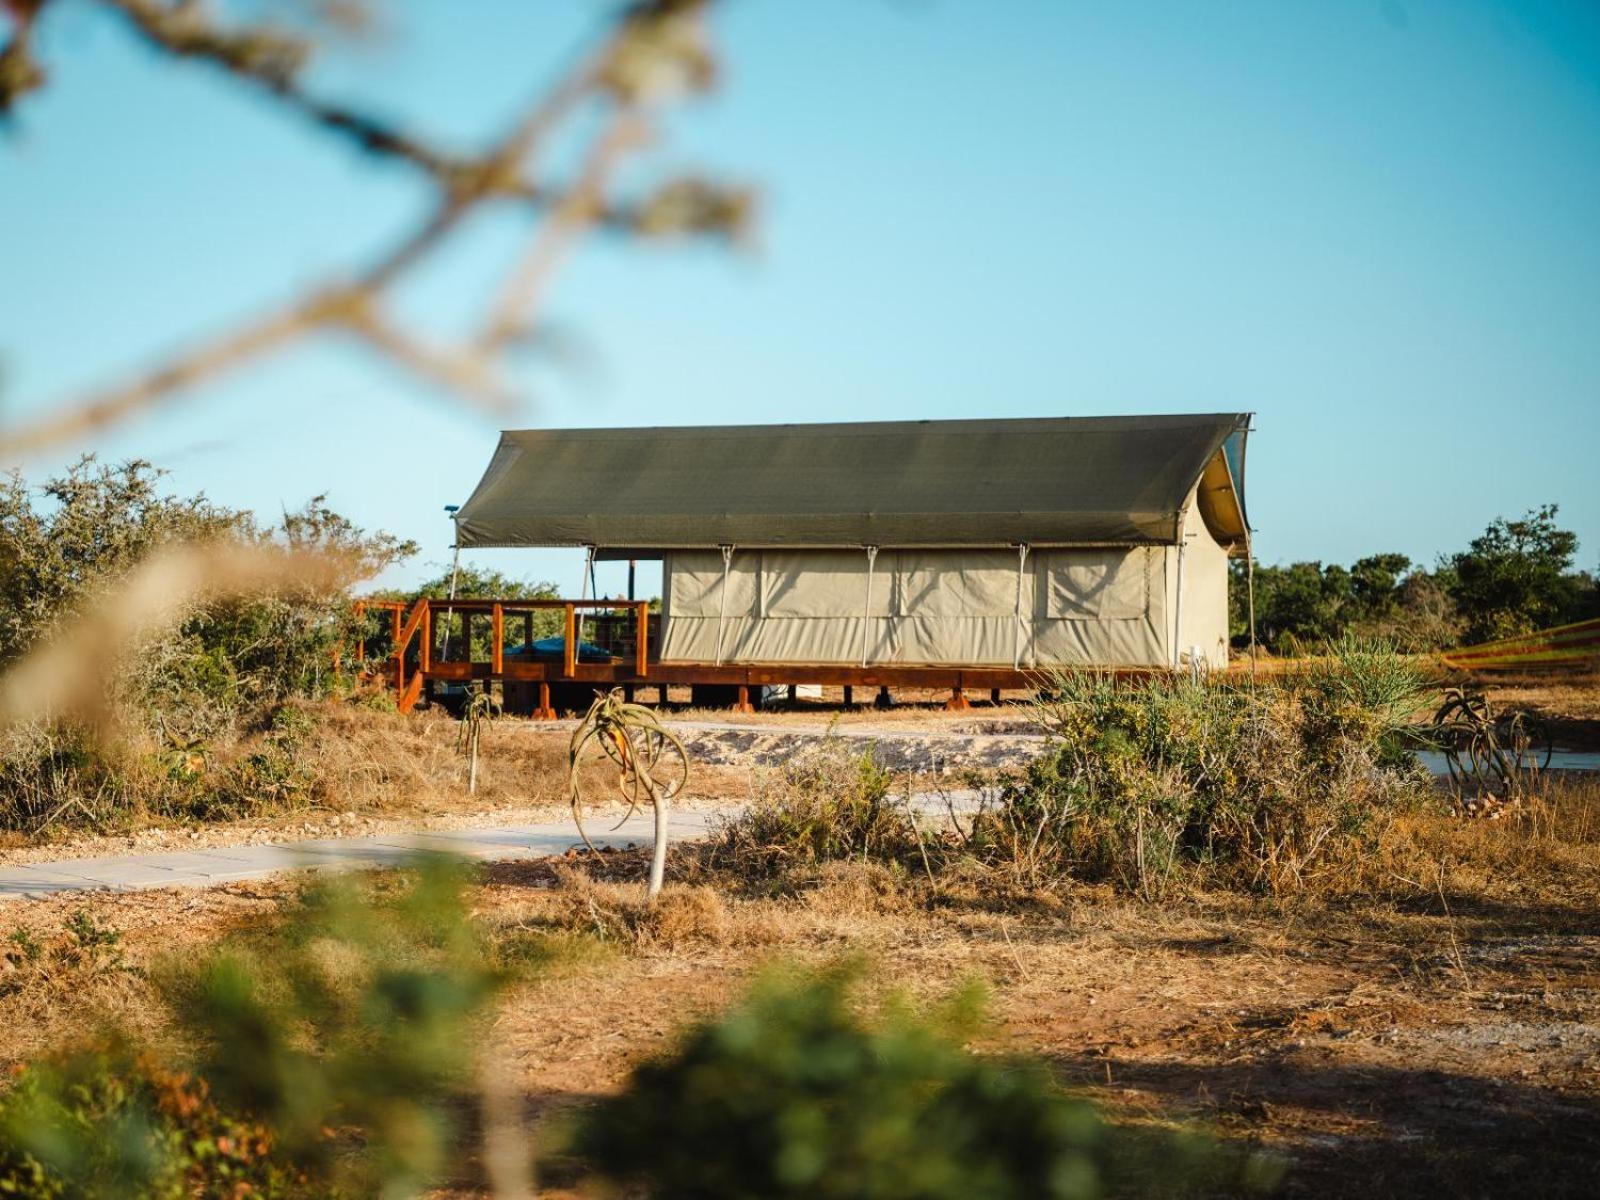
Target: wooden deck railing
x,y
414,658
417,655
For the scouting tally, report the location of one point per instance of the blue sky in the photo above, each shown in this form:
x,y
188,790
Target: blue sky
x,y
1375,224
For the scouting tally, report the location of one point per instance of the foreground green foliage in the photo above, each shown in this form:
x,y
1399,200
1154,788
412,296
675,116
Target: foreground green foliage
x,y
106,1123
333,1056
798,1093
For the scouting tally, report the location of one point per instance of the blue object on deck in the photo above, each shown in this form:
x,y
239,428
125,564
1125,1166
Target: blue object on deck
x,y
556,647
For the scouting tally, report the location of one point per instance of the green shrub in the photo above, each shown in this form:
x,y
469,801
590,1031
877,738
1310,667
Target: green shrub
x,y
104,1123
213,678
1361,698
332,1056
1266,787
795,1093
826,804
273,776
357,1015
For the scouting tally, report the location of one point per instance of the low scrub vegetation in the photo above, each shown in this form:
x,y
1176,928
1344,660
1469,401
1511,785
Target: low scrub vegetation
x,y
825,805
798,1092
202,708
1142,783
339,1050
1267,788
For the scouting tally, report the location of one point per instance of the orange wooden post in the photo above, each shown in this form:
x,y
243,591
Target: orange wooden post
x,y
399,654
427,637
497,640
569,643
544,712
743,704
641,638
957,701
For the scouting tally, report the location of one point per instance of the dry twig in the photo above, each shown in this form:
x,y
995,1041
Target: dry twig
x,y
656,51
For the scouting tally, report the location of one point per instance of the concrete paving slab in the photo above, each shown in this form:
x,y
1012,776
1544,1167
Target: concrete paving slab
x,y
29,881
131,875
197,862
227,864
374,850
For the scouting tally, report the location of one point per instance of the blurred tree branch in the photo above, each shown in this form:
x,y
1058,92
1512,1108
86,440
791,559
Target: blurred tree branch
x,y
653,53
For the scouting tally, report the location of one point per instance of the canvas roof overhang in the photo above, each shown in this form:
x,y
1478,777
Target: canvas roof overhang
x,y
1067,481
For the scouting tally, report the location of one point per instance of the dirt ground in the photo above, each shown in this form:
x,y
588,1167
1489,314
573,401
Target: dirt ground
x,y
381,774
1432,1028
1437,1036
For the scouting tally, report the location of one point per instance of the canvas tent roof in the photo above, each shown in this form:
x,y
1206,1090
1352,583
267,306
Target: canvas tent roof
x,y
1046,481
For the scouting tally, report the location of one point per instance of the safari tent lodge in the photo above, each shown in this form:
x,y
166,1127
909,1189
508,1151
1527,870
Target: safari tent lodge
x,y
959,554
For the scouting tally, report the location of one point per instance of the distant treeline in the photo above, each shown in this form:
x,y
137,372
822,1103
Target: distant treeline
x,y
1516,577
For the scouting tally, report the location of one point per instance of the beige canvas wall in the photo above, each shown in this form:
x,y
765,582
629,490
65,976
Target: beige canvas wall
x,y
1102,606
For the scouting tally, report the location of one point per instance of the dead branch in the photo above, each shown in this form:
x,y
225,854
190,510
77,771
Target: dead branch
x,y
513,315
656,50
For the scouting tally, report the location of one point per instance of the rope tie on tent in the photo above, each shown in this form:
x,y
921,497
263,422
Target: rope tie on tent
x,y
1177,615
866,609
722,611
1250,597
1016,641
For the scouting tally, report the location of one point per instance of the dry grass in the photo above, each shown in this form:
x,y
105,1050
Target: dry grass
x,y
1568,700
367,771
1436,1035
1428,1023
1546,850
380,762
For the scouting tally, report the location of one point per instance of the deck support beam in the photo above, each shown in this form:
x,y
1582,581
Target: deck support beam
x,y
544,711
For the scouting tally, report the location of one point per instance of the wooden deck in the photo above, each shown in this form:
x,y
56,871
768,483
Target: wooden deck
x,y
417,654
